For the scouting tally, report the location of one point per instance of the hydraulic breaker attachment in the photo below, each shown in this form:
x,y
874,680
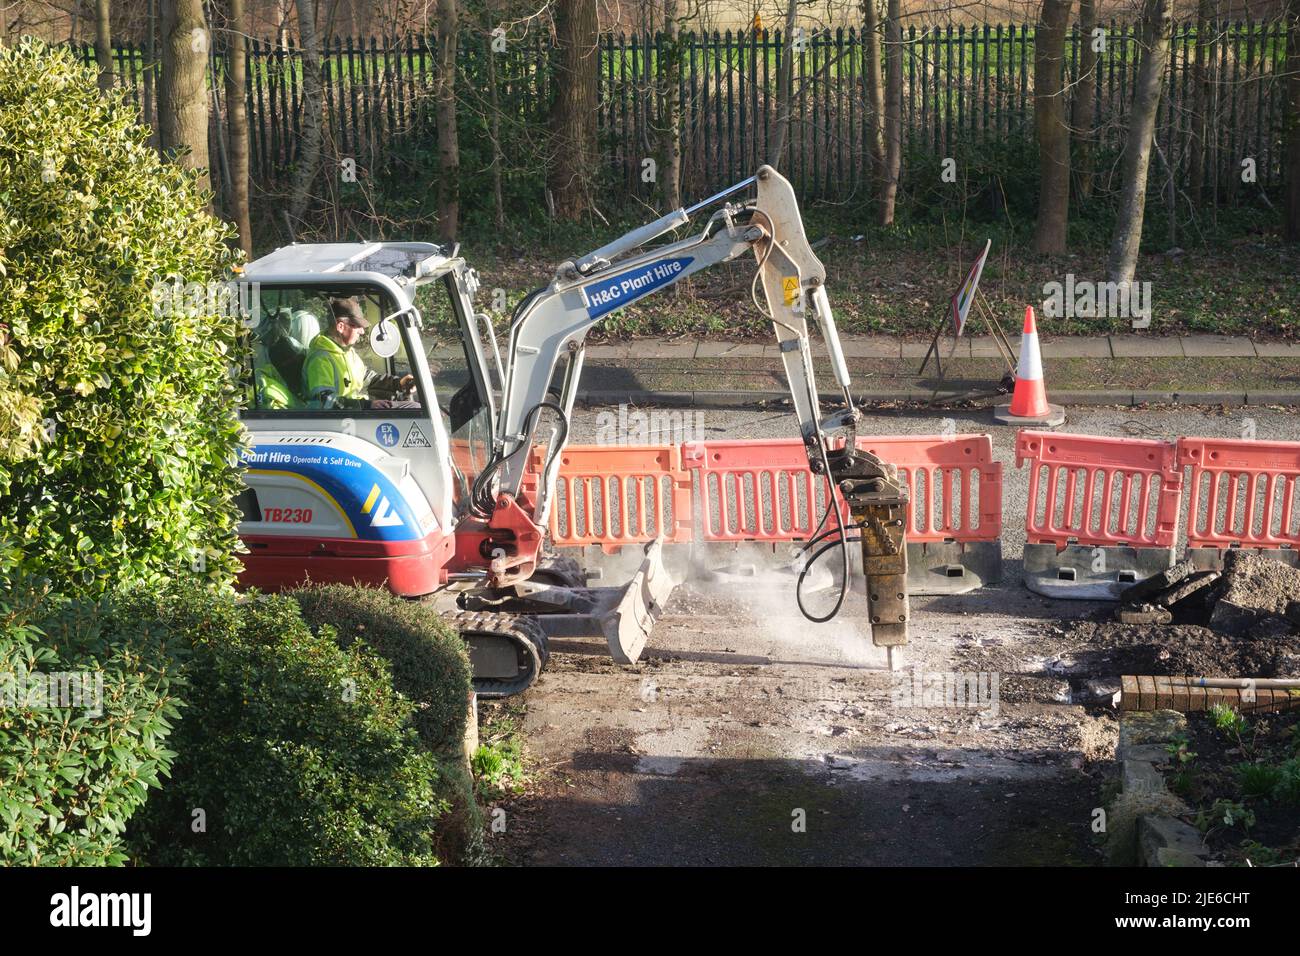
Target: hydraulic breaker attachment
x,y
878,509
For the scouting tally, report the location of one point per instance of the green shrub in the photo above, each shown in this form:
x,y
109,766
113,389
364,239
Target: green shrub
x,y
1279,782
1257,779
77,758
118,425
996,182
428,658
292,750
1228,721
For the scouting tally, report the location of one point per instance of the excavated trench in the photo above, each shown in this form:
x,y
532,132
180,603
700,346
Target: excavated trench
x,y
1242,623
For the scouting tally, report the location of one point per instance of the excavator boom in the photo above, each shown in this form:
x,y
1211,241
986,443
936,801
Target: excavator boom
x,y
551,325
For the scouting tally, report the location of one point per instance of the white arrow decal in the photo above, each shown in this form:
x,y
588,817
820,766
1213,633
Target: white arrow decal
x,y
385,516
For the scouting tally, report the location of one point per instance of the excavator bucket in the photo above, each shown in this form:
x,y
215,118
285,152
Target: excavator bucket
x,y
628,624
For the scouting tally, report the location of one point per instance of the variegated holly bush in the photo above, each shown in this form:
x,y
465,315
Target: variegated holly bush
x,y
118,420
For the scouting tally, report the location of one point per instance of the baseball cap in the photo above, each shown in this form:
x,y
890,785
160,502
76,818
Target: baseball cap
x,y
350,310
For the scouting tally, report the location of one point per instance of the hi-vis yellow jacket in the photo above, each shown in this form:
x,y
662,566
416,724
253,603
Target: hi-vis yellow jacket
x,y
332,374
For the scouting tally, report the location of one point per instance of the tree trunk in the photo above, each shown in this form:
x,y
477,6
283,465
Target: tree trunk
x,y
149,114
670,135
784,92
494,130
311,141
237,124
875,105
1122,261
1049,123
183,93
1205,13
573,111
103,45
893,111
1085,98
1292,153
445,105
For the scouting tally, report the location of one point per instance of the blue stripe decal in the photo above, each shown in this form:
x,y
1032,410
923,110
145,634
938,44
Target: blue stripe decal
x,y
605,296
351,481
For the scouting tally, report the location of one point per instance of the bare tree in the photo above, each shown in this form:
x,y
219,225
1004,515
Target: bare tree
x,y
670,136
1122,261
150,67
104,45
893,111
1205,14
183,94
871,73
494,130
237,122
311,141
784,90
1292,199
445,105
1085,97
573,110
1049,124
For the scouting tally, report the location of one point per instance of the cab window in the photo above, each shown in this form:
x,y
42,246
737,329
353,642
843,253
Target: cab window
x,y
467,417
288,323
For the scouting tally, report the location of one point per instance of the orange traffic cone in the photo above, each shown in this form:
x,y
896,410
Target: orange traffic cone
x,y
1029,405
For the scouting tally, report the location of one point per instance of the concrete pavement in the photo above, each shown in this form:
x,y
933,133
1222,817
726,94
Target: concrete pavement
x,y
882,346
1126,369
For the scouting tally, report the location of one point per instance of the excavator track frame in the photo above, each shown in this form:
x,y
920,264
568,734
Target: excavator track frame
x,y
485,631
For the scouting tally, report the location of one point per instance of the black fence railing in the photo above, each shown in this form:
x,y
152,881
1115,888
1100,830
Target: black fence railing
x,y
963,86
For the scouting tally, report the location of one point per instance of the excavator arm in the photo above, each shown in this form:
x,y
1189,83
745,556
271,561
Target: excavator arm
x,y
551,325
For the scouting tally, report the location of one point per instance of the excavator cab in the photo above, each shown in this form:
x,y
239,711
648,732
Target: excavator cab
x,y
417,302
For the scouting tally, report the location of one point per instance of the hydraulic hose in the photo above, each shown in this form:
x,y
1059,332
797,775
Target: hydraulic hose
x,y
482,501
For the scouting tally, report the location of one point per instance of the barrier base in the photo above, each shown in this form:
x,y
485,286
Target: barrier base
x,y
939,567
1069,575
687,561
1055,416
617,566
952,567
1211,559
727,556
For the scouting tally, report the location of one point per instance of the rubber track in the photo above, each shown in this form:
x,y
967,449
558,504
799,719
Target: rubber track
x,y
523,630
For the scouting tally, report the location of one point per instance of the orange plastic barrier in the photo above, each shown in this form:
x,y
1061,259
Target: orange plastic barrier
x,y
759,490
764,491
954,484
1100,491
612,495
1244,493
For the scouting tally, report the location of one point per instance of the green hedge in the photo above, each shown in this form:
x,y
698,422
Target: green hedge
x,y
428,658
118,421
296,751
73,769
